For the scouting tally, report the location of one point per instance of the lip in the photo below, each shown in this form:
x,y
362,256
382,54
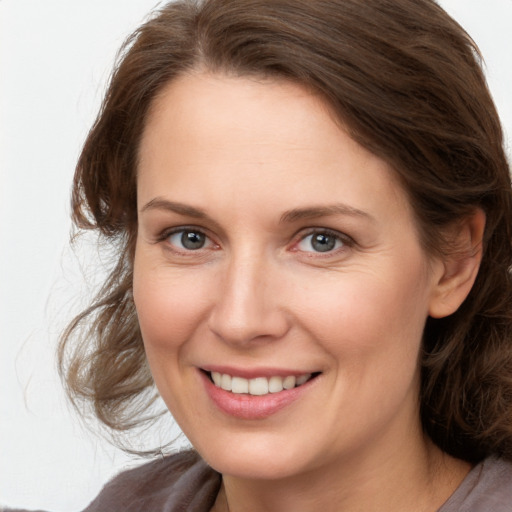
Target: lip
x,y
250,407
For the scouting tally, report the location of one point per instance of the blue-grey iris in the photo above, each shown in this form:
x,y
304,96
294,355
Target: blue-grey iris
x,y
192,240
322,242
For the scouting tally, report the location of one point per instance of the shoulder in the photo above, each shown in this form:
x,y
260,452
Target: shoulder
x,y
487,487
182,481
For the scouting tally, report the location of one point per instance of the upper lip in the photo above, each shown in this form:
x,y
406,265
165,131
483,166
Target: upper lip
x,y
252,373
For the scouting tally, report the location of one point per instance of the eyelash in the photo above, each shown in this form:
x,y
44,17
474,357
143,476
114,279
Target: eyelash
x,y
345,240
165,236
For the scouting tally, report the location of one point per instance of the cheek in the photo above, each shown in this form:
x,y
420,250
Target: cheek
x,y
169,304
368,314
371,327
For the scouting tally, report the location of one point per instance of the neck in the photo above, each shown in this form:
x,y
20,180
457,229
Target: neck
x,y
413,479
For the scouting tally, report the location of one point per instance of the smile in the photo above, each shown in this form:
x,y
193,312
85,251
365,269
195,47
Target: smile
x,y
256,397
258,386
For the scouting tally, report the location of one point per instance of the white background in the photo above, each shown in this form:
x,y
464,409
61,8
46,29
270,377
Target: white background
x,y
55,57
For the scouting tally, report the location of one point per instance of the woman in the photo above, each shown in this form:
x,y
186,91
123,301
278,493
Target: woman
x,y
310,205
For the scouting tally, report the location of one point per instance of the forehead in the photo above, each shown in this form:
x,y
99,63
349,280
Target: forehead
x,y
211,135
249,109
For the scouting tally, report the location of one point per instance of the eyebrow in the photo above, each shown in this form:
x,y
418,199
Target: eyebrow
x,y
159,203
314,212
290,216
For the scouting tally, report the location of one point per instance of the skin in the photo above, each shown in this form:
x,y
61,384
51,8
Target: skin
x,y
257,166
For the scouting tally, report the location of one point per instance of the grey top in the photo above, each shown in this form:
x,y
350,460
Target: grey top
x,y
487,488
184,483
178,483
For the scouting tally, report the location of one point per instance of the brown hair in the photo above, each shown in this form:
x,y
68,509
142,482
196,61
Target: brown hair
x,y
406,81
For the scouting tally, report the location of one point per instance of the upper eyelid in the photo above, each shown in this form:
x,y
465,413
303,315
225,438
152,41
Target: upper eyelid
x,y
305,232
167,232
296,237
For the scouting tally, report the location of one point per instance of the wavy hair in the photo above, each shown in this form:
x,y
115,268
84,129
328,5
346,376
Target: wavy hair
x,y
406,80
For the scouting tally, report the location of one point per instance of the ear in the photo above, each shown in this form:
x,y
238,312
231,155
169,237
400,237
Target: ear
x,y
455,273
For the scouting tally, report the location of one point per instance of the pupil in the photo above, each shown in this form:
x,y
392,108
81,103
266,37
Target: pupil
x,y
323,243
192,240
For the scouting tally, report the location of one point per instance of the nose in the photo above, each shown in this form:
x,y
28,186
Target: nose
x,y
248,306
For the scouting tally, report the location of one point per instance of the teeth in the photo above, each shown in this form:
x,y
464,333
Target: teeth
x,y
289,382
239,385
217,378
258,386
225,382
302,380
275,384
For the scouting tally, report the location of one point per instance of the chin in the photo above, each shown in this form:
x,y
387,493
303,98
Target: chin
x,y
256,461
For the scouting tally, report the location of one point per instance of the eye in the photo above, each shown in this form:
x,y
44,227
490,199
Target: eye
x,y
320,241
189,240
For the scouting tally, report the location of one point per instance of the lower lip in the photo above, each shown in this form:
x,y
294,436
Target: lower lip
x,y
251,407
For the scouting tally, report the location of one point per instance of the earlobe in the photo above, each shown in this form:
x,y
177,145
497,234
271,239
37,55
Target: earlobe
x,y
458,270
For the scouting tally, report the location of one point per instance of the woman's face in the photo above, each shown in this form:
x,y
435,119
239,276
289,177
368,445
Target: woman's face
x,y
272,250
